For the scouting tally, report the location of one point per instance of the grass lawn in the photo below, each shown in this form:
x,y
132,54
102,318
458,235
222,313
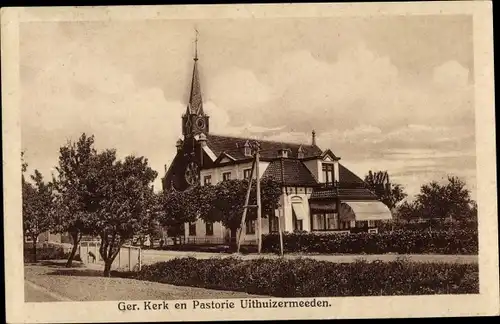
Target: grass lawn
x,y
82,284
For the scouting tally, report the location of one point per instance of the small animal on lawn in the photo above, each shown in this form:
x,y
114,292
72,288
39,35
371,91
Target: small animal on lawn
x,y
92,255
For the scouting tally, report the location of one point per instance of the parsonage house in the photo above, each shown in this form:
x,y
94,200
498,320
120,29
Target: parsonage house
x,y
319,194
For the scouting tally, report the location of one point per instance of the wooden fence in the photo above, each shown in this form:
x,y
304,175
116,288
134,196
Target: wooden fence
x,y
128,259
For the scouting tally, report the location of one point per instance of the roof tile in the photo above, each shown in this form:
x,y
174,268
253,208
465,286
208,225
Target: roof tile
x,y
234,146
294,172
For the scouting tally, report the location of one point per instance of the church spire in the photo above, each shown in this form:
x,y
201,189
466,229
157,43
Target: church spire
x,y
195,105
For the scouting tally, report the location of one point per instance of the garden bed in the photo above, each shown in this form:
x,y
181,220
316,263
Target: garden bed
x,y
311,278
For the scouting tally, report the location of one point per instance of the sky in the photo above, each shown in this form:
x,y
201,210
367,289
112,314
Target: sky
x,y
388,93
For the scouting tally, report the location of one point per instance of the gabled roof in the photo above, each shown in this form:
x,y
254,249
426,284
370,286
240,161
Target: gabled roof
x,y
347,177
222,156
290,172
234,146
329,153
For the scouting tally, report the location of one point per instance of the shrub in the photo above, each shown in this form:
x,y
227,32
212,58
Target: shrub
x,y
403,242
310,278
44,253
47,252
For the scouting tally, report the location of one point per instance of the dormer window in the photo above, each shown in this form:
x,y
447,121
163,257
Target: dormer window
x,y
300,153
283,153
248,151
328,173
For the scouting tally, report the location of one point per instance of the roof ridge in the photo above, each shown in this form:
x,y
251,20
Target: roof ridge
x,y
263,140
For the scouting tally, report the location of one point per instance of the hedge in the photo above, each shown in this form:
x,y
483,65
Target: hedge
x,y
310,278
402,242
427,226
212,248
50,252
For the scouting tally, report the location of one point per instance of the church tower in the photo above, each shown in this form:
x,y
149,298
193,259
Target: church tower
x,y
194,120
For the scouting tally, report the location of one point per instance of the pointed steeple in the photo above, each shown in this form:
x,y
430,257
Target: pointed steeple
x,y
195,105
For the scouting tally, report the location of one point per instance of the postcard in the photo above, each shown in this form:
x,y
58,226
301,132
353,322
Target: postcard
x,y
249,161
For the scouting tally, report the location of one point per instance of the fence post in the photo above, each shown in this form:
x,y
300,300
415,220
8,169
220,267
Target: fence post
x,y
140,259
96,252
87,252
129,258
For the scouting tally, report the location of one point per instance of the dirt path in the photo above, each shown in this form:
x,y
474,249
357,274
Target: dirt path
x,y
35,293
82,284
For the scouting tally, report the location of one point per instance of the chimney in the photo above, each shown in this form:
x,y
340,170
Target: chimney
x,y
283,153
300,153
313,137
179,144
248,150
165,167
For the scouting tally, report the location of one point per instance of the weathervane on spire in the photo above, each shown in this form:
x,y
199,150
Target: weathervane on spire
x,y
196,45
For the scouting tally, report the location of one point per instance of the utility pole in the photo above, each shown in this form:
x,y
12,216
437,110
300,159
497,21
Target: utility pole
x,y
245,207
281,211
259,206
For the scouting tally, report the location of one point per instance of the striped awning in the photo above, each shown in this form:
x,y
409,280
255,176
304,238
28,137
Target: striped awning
x,y
364,211
299,211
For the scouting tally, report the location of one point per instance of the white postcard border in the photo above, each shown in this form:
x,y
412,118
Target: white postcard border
x,y
487,302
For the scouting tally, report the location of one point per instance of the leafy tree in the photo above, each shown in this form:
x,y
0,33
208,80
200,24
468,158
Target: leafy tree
x,y
228,204
440,201
75,188
471,214
222,202
37,207
407,211
390,194
150,226
124,196
229,201
173,213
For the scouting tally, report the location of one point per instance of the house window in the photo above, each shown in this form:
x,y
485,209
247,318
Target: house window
x,y
324,222
371,223
250,226
207,180
331,221
344,225
209,228
273,224
362,224
297,223
226,176
246,174
192,229
327,173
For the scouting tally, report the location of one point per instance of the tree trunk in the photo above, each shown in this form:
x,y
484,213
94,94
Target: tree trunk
x,y
107,267
110,253
76,240
233,243
34,238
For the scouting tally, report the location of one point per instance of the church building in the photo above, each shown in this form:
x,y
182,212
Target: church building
x,y
319,193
